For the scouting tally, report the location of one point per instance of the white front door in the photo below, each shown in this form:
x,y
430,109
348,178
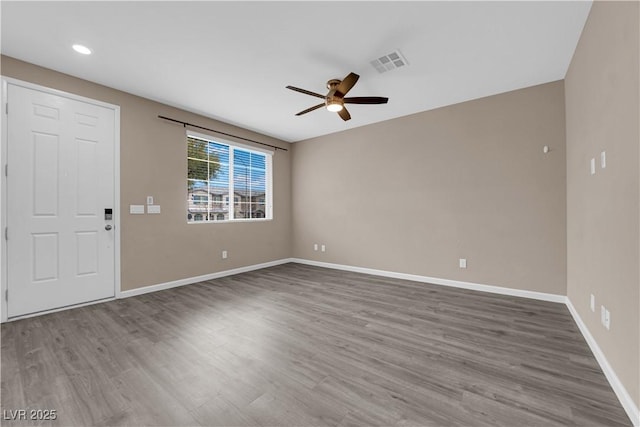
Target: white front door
x,y
60,184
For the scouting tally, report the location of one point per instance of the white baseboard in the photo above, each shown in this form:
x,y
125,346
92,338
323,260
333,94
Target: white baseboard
x,y
191,280
437,281
623,396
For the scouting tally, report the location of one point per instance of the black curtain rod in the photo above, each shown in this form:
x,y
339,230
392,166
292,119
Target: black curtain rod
x,y
185,124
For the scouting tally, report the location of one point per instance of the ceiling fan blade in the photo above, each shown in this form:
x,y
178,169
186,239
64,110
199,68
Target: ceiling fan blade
x,y
347,83
366,100
344,114
308,110
306,92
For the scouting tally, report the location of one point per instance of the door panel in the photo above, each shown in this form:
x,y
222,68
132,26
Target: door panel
x,y
60,153
87,243
86,196
45,256
45,174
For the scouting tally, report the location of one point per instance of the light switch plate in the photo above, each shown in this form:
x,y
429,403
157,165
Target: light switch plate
x,y
153,209
593,166
136,209
463,263
603,160
149,200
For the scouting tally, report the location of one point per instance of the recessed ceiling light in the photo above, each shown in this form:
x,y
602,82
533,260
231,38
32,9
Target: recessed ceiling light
x,y
81,49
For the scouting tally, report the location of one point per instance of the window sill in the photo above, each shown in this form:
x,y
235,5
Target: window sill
x,y
231,221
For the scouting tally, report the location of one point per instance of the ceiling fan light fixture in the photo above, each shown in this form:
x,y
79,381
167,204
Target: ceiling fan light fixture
x,y
334,106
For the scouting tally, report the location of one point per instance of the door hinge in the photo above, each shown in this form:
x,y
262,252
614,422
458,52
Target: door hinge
x,y
6,170
6,108
6,233
6,295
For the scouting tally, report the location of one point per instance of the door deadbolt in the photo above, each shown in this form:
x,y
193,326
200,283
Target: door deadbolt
x,y
108,227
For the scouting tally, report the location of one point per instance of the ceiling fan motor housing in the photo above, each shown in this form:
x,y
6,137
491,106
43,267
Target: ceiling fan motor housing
x,y
333,84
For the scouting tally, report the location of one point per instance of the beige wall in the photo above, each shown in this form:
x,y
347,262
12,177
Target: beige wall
x,y
162,248
415,194
602,210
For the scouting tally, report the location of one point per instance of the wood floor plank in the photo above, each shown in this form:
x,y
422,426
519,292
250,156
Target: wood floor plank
x,y
305,346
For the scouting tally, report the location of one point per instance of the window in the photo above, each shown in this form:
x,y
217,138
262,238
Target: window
x,y
200,199
218,172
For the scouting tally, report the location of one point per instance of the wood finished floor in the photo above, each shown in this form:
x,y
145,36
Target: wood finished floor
x,y
298,346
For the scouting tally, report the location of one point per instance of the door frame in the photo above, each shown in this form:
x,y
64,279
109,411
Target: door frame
x,y
6,81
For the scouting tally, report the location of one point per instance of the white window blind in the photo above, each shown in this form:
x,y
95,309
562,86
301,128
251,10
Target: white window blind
x,y
226,181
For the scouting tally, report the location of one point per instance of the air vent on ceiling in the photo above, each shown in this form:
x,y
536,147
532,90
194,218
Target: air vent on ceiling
x,y
389,62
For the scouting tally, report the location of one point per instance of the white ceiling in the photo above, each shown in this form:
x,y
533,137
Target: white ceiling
x,y
232,60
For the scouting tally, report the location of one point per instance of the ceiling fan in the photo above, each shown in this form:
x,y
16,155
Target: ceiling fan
x,y
335,100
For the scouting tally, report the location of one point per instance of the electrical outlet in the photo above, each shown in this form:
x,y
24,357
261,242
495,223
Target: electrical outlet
x,y
463,263
149,200
607,319
593,303
315,246
323,248
603,312
224,254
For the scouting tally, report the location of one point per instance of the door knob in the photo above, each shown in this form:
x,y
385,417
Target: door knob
x,y
108,227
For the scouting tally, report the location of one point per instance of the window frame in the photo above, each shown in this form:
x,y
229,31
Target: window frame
x,y
268,154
